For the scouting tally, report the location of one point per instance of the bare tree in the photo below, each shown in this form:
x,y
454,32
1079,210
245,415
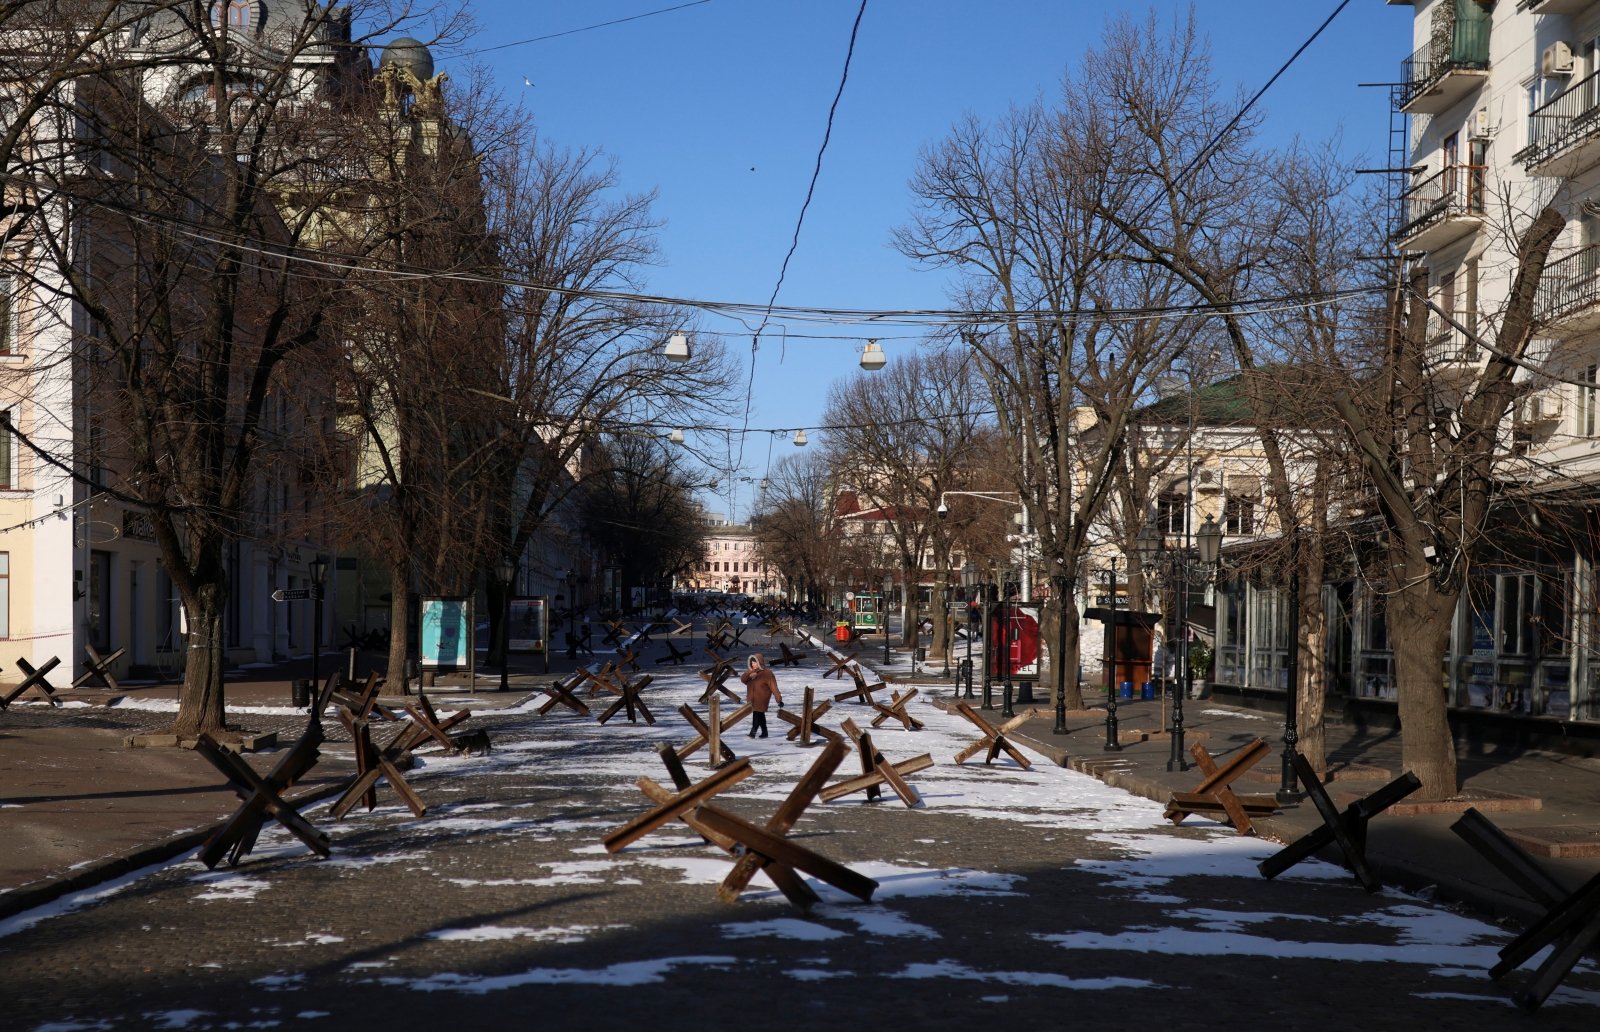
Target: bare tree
x,y
172,155
902,437
1017,209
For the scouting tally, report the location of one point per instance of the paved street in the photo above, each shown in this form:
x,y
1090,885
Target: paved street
x,y
1036,898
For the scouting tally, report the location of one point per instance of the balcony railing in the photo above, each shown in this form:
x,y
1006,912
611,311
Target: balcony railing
x,y
1452,191
1572,115
1450,346
1569,284
1463,46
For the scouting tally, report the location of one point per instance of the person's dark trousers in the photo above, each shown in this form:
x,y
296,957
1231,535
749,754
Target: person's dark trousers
x,y
758,725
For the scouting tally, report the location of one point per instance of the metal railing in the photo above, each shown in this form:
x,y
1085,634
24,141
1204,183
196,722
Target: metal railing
x,y
1568,117
1453,190
1569,284
1465,47
1450,345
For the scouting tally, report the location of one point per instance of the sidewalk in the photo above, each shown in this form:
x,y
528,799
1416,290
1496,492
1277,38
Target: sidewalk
x,y
78,807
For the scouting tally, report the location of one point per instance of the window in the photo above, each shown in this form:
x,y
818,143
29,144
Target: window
x,y
8,477
1588,396
235,14
8,315
5,594
1171,514
1239,516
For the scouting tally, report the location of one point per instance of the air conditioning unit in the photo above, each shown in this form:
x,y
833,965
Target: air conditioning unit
x,y
1478,126
1556,59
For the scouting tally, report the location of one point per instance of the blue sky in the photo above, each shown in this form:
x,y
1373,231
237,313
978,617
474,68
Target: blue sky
x,y
721,107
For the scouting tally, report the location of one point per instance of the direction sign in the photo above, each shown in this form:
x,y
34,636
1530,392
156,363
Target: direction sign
x,y
291,594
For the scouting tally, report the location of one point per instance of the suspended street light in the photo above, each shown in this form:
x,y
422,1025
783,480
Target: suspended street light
x,y
677,348
872,356
799,438
676,437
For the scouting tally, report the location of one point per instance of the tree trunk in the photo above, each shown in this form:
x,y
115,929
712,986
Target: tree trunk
x,y
1419,623
1071,658
200,704
399,630
1313,694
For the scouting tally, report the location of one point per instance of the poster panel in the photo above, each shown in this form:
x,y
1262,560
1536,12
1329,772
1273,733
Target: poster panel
x,y
446,633
530,624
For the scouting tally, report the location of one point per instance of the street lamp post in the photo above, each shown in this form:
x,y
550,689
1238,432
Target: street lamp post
x,y
1009,629
969,580
1061,584
883,614
1112,744
572,614
988,647
319,577
504,572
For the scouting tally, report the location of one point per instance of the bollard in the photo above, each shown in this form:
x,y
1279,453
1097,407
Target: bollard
x,y
300,694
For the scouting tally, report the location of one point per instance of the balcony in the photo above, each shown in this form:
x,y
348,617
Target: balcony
x,y
1453,63
1551,6
1568,300
1452,356
1564,133
1442,208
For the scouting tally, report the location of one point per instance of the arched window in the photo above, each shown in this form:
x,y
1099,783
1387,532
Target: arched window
x,y
238,15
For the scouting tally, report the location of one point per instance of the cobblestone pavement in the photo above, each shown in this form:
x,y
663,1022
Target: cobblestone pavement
x,y
1039,898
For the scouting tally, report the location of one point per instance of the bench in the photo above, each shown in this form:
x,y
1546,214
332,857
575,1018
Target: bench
x,y
1214,795
1348,829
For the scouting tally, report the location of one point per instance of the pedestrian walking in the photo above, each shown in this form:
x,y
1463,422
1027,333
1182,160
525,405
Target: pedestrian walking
x,y
763,688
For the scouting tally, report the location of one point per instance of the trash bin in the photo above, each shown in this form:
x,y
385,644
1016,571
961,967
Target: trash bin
x,y
841,631
300,694
1147,691
1125,690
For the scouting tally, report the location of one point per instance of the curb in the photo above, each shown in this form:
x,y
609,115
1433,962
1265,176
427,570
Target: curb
x,y
98,872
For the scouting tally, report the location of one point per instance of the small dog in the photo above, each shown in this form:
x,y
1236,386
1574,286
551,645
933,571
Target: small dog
x,y
473,743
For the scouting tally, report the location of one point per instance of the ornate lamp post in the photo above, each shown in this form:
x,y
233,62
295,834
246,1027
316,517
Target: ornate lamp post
x,y
504,572
319,578
883,614
1208,544
1112,744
